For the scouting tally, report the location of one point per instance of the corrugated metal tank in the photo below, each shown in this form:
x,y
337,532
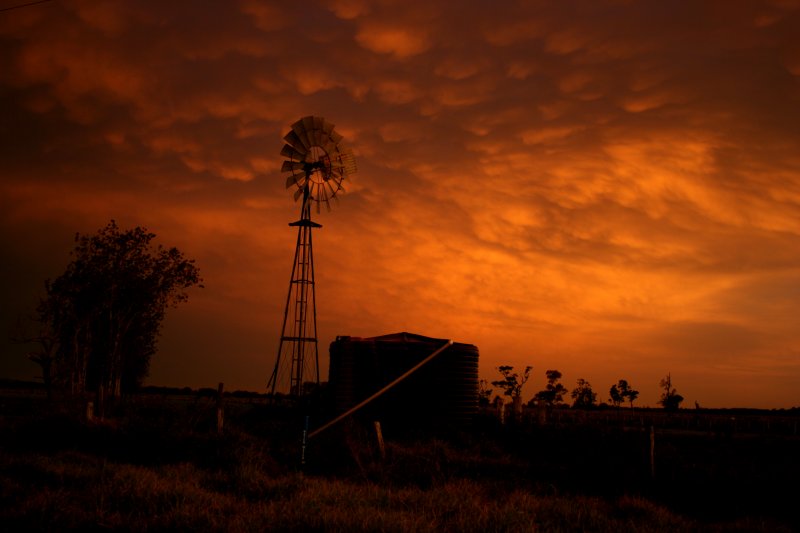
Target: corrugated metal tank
x,y
443,392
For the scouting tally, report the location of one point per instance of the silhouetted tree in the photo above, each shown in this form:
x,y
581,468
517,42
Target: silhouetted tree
x,y
582,395
615,397
45,353
512,383
670,399
484,393
105,311
626,392
554,392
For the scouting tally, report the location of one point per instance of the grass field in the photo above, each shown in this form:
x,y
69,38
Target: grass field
x,y
158,464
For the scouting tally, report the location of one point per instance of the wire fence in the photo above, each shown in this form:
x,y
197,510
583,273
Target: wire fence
x,y
739,422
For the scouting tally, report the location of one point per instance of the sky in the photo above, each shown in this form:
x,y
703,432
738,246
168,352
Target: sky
x,y
605,187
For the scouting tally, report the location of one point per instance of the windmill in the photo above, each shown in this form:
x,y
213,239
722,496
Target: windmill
x,y
317,165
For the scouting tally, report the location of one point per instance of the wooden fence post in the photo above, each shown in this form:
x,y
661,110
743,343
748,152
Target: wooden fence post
x,y
101,402
379,435
652,452
305,442
220,412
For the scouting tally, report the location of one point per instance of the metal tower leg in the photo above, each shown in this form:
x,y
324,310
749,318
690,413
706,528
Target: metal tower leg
x,y
298,346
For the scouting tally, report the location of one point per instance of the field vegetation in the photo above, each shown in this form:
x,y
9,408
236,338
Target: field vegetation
x,y
157,462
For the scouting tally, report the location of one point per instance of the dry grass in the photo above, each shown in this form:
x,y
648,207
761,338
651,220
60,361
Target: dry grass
x,y
160,469
75,491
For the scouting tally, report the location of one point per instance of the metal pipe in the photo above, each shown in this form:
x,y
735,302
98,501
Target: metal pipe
x,y
380,392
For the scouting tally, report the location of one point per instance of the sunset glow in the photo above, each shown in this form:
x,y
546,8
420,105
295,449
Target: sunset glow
x,y
607,188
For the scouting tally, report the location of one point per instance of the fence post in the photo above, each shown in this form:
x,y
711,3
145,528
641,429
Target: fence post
x,y
220,412
652,452
101,403
379,435
305,442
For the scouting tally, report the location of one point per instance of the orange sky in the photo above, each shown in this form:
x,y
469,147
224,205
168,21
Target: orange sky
x,y
610,189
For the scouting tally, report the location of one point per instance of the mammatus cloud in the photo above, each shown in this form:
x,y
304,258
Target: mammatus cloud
x,y
609,189
396,41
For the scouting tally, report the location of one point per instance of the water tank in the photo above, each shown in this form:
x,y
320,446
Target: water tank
x,y
442,393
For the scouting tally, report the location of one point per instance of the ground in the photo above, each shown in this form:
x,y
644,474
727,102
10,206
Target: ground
x,y
158,462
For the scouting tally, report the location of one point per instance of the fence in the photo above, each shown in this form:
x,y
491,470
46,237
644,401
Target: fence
x,y
701,420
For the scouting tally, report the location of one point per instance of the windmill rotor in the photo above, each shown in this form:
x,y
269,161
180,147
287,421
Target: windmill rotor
x,y
317,163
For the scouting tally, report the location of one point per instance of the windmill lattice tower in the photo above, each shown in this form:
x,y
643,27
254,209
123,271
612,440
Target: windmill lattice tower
x,y
318,164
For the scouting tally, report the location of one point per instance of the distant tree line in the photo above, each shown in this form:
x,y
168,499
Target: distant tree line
x,y
583,396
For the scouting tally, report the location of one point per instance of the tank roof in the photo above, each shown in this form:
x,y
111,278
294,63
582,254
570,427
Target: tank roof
x,y
403,336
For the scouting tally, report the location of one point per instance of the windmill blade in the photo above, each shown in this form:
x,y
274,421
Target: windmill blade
x,y
327,128
296,142
337,177
295,180
292,153
292,166
300,133
313,137
340,172
336,138
297,194
305,130
297,124
319,134
348,161
308,124
338,181
320,196
331,189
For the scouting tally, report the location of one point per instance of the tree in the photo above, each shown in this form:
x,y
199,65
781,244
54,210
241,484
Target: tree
x,y
512,383
484,393
44,354
615,397
554,392
670,399
626,392
583,397
105,311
